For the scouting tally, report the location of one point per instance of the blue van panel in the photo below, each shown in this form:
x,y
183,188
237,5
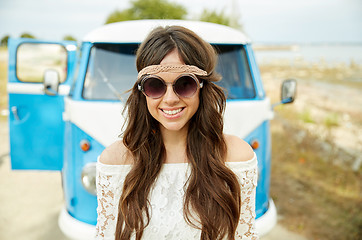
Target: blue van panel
x,y
82,205
79,203
262,134
36,137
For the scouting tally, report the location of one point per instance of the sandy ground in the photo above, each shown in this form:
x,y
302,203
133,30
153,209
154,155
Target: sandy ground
x,y
31,202
330,112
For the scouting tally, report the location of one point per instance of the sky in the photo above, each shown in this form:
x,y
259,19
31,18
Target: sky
x,y
264,21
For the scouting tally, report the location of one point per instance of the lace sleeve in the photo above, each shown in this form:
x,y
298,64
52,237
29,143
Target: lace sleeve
x,y
247,173
108,187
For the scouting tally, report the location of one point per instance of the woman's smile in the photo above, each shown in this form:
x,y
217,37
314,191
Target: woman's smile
x,y
172,112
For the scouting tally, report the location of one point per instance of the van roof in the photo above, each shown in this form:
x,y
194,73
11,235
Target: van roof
x,y
136,31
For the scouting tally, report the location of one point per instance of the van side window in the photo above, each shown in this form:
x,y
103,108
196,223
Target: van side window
x,y
33,59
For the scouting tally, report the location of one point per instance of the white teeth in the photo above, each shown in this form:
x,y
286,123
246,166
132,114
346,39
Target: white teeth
x,y
172,112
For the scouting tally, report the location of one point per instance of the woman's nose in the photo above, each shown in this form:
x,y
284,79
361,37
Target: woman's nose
x,y
170,96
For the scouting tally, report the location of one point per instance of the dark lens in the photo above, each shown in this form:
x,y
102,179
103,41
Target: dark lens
x,y
185,86
154,87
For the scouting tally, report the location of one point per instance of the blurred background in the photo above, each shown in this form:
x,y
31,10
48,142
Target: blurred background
x,y
316,180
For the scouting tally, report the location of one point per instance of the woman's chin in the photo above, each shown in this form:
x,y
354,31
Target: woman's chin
x,y
174,127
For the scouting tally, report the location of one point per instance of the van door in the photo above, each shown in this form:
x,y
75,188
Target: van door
x,y
39,76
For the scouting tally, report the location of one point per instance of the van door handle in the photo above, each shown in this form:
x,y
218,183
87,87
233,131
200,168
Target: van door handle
x,y
14,110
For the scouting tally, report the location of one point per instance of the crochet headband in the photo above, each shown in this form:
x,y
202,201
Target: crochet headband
x,y
154,69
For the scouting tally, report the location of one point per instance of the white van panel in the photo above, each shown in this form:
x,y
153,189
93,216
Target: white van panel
x,y
100,120
242,117
34,88
103,120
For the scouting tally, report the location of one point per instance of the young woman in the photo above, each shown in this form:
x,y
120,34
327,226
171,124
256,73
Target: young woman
x,y
175,174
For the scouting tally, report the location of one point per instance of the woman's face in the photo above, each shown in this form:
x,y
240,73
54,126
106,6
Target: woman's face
x,y
171,111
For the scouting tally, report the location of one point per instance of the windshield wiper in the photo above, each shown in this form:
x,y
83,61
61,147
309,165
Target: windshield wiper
x,y
109,84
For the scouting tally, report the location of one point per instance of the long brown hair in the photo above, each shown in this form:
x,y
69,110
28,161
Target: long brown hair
x,y
213,193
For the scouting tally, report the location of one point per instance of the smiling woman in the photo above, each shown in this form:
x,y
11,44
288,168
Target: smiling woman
x,y
175,167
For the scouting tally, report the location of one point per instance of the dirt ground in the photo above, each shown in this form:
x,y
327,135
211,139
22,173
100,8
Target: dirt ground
x,y
330,108
316,177
30,200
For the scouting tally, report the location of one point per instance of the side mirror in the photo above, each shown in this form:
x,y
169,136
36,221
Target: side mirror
x,y
288,92
51,82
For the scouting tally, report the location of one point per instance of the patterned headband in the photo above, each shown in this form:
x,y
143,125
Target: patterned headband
x,y
153,69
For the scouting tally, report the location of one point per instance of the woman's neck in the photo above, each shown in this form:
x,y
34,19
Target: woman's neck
x,y
175,145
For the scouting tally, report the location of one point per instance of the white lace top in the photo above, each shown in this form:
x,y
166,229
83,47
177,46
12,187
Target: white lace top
x,y
166,198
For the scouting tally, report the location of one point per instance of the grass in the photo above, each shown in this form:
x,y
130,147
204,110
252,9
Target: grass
x,y
313,196
306,116
331,120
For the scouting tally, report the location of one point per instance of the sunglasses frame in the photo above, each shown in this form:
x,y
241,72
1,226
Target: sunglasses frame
x,y
145,77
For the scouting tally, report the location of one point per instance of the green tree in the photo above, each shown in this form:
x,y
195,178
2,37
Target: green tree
x,y
220,18
119,16
149,9
27,35
214,17
4,40
69,38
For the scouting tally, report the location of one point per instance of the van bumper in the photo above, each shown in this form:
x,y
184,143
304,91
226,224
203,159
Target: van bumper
x,y
266,222
77,230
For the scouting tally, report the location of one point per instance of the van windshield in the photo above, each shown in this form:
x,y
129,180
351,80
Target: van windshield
x,y
111,72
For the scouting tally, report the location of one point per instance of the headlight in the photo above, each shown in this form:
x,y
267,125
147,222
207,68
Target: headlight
x,y
89,178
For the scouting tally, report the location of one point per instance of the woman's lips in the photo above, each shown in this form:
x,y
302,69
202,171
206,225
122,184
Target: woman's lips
x,y
172,113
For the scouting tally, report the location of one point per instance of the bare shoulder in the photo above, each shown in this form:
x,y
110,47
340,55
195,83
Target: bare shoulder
x,y
237,149
115,154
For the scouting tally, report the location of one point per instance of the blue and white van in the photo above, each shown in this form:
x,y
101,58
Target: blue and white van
x,y
65,104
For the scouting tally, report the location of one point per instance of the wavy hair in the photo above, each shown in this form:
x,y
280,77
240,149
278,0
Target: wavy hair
x,y
212,194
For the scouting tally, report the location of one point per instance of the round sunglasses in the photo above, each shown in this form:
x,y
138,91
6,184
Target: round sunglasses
x,y
185,85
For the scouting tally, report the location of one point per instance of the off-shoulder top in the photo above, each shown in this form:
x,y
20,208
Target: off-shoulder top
x,y
166,201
